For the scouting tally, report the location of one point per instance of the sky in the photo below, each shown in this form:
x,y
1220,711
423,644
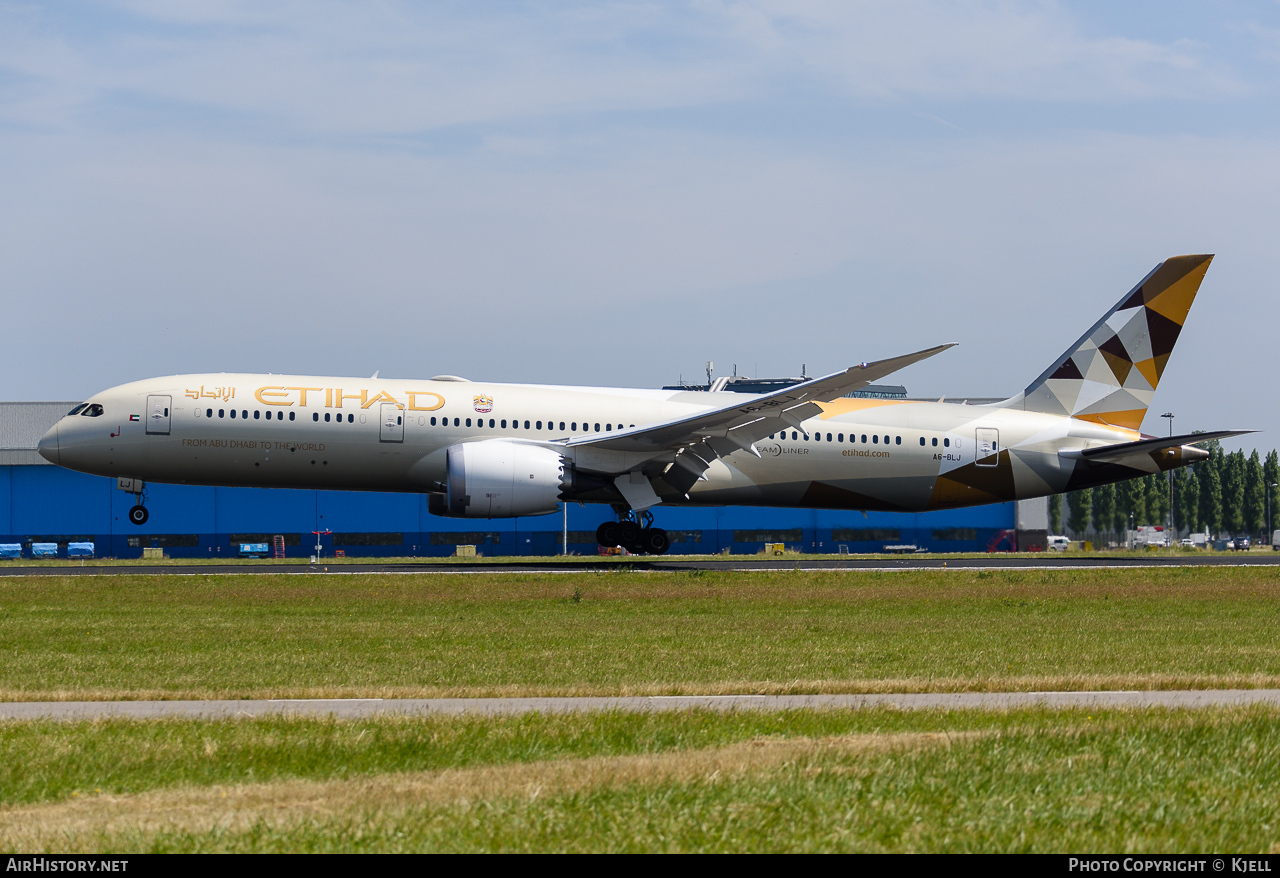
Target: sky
x,y
614,193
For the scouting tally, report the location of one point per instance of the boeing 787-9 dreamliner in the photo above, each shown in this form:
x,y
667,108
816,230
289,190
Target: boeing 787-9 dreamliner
x,y
485,450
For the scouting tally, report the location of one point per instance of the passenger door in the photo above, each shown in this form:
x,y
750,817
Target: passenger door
x,y
157,415
988,452
391,424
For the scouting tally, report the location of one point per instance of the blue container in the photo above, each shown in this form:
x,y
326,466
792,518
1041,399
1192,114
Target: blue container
x,y
79,550
44,550
253,550
10,550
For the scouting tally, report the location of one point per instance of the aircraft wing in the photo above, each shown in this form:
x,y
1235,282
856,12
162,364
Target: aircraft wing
x,y
692,442
1145,447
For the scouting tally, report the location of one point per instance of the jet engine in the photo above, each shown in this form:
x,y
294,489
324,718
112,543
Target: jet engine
x,y
497,478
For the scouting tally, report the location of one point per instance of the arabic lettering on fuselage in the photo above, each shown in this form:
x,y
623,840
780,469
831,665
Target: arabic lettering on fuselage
x,y
226,393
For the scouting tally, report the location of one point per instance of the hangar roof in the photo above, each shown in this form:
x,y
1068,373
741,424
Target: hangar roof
x,y
21,426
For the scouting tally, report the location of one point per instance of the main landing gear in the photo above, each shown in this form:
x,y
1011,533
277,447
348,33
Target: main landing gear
x,y
634,533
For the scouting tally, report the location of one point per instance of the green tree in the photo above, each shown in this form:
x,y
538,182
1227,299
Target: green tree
x,y
1131,498
1186,498
1233,477
1104,508
1270,477
1157,485
1254,507
1079,505
1210,477
1055,513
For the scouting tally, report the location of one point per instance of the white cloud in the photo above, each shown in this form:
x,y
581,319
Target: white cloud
x,y
368,71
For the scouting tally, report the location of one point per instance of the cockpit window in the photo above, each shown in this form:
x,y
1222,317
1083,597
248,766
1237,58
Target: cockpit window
x,y
78,409
92,411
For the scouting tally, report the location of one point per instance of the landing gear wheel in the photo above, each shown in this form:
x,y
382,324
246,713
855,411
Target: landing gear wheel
x,y
607,534
656,541
139,515
630,537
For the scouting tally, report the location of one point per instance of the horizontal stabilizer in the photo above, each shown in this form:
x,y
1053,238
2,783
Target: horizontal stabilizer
x,y
1115,453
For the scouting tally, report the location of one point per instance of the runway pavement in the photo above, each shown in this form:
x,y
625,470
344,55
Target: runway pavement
x,y
1048,561
370,707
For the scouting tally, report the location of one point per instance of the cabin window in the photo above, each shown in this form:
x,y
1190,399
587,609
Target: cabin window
x,y
326,417
875,439
351,419
574,426
794,435
504,423
221,412
608,428
257,415
935,441
293,416
539,425
315,416
233,414
562,426
922,441
457,423
828,437
839,437
946,443
526,425
864,438
491,423
597,428
468,422
208,413
897,440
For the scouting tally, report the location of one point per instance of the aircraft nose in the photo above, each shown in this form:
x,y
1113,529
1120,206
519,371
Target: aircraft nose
x,y
48,445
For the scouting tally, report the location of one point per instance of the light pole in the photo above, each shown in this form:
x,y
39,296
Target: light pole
x,y
1172,534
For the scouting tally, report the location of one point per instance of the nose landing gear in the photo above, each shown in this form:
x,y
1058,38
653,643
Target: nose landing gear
x,y
138,514
634,533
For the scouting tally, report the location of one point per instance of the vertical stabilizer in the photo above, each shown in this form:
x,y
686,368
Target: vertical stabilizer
x,y
1111,373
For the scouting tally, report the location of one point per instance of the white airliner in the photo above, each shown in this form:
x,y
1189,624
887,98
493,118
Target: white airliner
x,y
484,450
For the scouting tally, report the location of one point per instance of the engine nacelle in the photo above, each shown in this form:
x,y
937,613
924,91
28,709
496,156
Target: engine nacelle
x,y
497,478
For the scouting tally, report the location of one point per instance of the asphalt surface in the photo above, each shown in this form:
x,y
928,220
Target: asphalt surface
x,y
1047,561
371,707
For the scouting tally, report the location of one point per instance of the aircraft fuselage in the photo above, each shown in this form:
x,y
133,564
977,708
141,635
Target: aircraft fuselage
x,y
393,435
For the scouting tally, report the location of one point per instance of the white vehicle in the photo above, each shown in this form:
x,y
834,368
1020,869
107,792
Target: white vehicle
x,y
1149,536
1057,543
1275,540
489,450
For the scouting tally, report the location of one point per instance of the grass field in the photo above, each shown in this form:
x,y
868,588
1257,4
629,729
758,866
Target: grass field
x,y
635,633
872,780
301,560
865,780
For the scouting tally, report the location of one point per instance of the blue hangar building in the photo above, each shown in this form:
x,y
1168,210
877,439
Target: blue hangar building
x,y
43,503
